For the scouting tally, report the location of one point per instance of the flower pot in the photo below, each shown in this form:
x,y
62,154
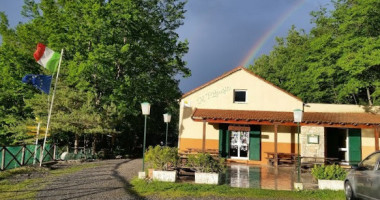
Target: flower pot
x,y
166,176
150,172
330,184
207,178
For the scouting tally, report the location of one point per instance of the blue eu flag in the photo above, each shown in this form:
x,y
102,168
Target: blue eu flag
x,y
41,82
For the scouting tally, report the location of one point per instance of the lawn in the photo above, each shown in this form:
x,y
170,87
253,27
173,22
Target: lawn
x,y
175,190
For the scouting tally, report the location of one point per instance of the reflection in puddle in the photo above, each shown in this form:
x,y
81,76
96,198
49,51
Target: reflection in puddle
x,y
263,177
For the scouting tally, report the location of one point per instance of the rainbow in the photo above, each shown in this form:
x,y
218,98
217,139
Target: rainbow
x,y
248,59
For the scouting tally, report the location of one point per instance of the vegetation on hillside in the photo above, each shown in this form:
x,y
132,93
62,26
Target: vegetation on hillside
x,y
117,54
337,62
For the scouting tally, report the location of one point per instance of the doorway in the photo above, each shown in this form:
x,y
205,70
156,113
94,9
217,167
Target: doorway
x,y
344,144
239,141
336,143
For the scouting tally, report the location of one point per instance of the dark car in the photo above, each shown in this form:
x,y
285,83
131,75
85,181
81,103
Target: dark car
x,y
363,181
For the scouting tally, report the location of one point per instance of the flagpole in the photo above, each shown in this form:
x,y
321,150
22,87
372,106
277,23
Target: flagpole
x,y
51,108
35,147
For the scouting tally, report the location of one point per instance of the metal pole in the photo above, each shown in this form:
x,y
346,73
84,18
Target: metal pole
x,y
166,140
35,147
299,158
51,108
144,143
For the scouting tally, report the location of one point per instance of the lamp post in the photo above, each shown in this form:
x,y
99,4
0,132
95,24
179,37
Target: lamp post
x,y
298,113
145,108
167,118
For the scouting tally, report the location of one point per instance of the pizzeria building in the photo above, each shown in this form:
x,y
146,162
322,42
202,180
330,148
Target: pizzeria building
x,y
244,118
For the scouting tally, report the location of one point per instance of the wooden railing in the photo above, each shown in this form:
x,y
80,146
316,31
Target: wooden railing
x,y
17,156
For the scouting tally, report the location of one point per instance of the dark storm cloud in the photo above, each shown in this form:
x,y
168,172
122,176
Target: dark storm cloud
x,y
221,32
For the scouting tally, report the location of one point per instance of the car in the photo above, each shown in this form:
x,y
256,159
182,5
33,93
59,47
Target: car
x,y
363,181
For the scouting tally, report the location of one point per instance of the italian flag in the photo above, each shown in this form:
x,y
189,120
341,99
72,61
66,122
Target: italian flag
x,y
46,57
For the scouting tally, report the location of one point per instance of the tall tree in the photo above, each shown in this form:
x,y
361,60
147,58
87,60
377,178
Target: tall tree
x,y
122,52
337,62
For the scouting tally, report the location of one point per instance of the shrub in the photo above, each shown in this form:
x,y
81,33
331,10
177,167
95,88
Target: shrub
x,y
330,172
162,158
204,162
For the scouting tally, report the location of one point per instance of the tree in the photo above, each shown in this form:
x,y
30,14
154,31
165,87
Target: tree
x,y
337,62
121,52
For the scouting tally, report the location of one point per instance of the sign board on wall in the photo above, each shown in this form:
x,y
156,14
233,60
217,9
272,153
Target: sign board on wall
x,y
313,139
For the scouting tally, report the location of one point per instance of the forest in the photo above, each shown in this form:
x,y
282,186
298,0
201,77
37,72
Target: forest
x,y
338,61
117,54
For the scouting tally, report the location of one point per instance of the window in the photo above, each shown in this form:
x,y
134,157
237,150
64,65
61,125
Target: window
x,y
240,96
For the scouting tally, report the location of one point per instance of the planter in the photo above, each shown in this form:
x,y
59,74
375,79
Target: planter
x,y
207,178
142,175
330,184
166,176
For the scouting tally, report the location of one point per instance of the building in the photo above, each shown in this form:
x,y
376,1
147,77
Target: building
x,y
243,116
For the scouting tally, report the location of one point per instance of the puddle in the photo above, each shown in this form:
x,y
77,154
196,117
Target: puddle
x,y
261,177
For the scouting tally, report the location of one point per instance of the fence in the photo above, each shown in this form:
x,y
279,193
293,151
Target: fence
x,y
16,156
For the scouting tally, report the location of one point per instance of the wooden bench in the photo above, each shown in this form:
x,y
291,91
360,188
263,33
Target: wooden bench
x,y
282,158
307,162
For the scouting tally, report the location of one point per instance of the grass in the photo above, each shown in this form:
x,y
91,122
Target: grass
x,y
27,189
175,190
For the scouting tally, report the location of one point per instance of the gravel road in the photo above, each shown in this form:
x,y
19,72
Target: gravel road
x,y
110,180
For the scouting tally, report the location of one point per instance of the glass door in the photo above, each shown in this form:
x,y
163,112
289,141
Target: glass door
x,y
239,144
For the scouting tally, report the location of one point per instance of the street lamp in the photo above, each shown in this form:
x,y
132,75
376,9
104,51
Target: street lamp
x,y
167,118
145,108
298,113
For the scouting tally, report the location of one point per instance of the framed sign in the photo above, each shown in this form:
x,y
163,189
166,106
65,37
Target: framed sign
x,y
313,139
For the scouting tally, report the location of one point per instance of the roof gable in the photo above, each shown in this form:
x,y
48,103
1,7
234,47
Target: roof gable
x,y
237,69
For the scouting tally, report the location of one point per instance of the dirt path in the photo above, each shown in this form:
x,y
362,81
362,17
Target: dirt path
x,y
110,180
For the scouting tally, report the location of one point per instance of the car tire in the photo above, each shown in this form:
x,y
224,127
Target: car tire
x,y
349,192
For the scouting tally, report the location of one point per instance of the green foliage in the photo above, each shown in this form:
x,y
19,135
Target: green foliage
x,y
337,62
162,158
204,162
116,54
329,172
166,190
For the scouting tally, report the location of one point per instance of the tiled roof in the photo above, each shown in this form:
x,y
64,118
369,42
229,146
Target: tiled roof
x,y
309,117
231,72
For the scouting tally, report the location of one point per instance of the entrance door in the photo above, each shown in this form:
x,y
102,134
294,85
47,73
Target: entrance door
x,y
239,144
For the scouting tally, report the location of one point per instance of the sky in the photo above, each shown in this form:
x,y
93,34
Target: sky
x,y
224,34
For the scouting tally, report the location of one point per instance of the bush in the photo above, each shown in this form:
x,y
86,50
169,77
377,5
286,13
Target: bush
x,y
330,172
204,162
162,158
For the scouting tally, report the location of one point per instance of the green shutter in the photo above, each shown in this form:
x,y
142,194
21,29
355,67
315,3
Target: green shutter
x,y
221,142
355,145
224,141
255,143
228,142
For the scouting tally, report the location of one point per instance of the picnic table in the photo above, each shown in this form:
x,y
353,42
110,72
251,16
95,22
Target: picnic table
x,y
183,155
291,158
282,158
189,151
310,161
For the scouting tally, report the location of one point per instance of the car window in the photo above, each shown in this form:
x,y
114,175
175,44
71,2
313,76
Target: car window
x,y
370,162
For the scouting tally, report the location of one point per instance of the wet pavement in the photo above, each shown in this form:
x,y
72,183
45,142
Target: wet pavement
x,y
263,177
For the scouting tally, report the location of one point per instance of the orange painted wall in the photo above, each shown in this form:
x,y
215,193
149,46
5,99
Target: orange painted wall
x,y
186,143
281,147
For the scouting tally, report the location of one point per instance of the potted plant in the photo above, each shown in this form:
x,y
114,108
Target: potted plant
x,y
207,169
329,177
164,161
